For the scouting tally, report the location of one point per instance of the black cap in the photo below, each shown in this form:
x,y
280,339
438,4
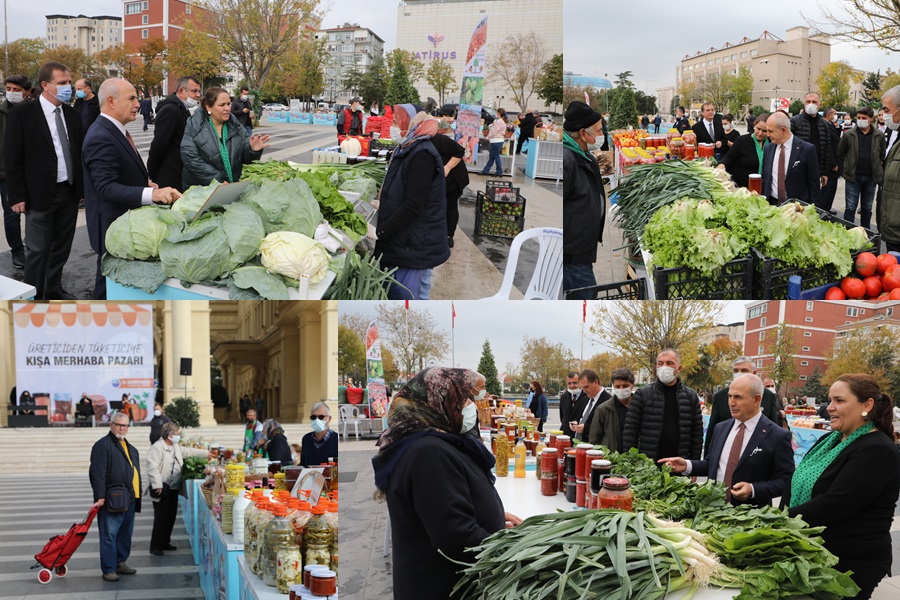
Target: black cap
x,y
580,116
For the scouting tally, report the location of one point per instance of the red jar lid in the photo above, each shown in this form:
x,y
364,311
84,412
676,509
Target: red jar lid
x,y
616,483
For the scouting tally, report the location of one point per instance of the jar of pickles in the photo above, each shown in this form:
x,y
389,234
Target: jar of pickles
x,y
227,505
249,523
502,456
279,481
257,542
331,518
279,534
317,539
289,568
234,476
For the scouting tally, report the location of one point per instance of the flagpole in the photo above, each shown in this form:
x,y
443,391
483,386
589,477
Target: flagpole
x,y
583,319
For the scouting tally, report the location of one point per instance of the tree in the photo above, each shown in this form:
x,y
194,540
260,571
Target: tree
x,y
117,60
784,352
714,364
623,79
79,62
796,107
550,85
813,388
254,35
488,368
675,103
184,411
864,23
834,83
623,111
544,361
412,335
518,64
415,68
356,322
605,363
891,79
301,73
195,54
717,89
872,90
687,92
640,330
440,76
400,90
389,364
351,353
373,82
869,350
646,105
741,91
25,57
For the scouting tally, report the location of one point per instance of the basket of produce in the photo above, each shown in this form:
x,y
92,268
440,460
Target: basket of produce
x,y
486,206
499,219
873,278
731,281
631,289
501,191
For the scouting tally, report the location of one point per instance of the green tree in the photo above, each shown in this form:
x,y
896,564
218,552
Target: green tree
x,y
440,76
796,107
372,84
717,89
688,91
415,68
623,111
814,388
834,83
488,368
784,351
623,79
184,411
646,105
195,54
301,74
741,91
518,64
351,353
25,57
675,103
544,361
400,90
550,84
872,90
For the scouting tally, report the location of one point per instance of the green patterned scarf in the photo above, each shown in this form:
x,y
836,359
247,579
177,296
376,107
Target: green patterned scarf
x,y
223,148
759,152
817,460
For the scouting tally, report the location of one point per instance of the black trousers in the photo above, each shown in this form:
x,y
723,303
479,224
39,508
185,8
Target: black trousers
x,y
48,239
826,196
164,513
866,576
453,194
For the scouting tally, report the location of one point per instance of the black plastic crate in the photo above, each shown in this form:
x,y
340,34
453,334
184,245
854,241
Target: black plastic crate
x,y
734,281
502,191
494,208
631,289
498,226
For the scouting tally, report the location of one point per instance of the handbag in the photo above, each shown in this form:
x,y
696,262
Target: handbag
x,y
117,499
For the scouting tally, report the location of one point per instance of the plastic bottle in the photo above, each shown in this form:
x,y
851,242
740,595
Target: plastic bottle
x,y
278,534
249,511
228,510
537,453
520,453
317,539
299,520
238,511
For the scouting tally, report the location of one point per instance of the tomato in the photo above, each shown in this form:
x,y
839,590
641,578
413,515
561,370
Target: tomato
x,y
884,261
891,279
884,296
865,264
853,288
873,285
895,294
835,293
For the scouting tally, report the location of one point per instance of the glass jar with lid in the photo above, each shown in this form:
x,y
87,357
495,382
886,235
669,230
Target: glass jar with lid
x,y
615,493
317,539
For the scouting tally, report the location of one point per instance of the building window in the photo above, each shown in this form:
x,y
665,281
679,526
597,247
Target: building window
x,y
809,305
807,334
808,319
762,322
145,19
734,57
804,363
145,5
144,34
759,363
761,349
805,348
762,335
346,47
743,55
755,312
890,311
187,9
726,59
753,53
862,311
852,311
133,8
803,378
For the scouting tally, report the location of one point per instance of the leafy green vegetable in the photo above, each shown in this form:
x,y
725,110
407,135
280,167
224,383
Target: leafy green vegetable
x,y
144,275
193,199
184,230
363,186
337,210
361,278
286,206
194,468
197,260
137,234
268,285
244,230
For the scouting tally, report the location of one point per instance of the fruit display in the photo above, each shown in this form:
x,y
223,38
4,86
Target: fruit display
x,y
498,227
873,278
509,209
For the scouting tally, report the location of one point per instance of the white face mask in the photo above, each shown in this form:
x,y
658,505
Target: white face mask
x,y
14,97
726,126
480,394
470,416
834,118
812,109
862,123
666,375
622,393
157,413
771,389
395,134
889,122
190,102
175,439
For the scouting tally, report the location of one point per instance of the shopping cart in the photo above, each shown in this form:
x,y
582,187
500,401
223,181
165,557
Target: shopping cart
x,y
59,549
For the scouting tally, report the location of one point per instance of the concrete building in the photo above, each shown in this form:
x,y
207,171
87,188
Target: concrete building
x,y
90,34
781,68
733,331
664,97
450,24
349,47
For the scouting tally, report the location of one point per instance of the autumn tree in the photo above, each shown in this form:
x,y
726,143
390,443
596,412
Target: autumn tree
x,y
544,361
518,64
714,364
24,57
550,85
890,79
869,350
301,73
356,322
834,83
488,367
441,77
117,60
351,353
413,336
605,363
688,91
741,91
784,351
389,365
640,330
79,62
716,88
872,23
196,54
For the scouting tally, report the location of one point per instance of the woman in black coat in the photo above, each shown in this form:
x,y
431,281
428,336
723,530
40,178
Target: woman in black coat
x,y
437,482
849,481
276,444
745,156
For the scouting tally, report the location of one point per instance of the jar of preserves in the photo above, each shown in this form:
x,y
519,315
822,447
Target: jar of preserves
x,y
599,468
502,456
257,546
234,476
548,484
689,151
592,455
548,461
279,534
570,463
299,520
317,539
571,490
676,147
323,583
227,509
689,137
279,481
563,442
308,571
580,488
616,493
581,451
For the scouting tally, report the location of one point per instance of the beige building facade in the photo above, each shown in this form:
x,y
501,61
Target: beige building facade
x,y
91,34
781,68
450,24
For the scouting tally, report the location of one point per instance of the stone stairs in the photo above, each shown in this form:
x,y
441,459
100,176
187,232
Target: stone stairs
x,y
67,450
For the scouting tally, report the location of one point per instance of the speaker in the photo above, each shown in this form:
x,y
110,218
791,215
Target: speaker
x,y
186,366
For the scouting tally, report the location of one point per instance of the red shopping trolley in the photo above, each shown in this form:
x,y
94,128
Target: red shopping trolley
x,y
59,549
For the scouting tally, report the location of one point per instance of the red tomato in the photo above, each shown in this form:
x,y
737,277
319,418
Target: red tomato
x,y
884,296
873,286
883,262
835,293
895,294
891,279
853,288
865,264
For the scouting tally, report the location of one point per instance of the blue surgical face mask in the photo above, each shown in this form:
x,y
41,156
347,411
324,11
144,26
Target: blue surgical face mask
x,y
80,94
470,416
319,425
64,92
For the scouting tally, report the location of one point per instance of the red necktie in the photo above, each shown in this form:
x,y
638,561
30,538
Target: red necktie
x,y
782,192
733,458
131,141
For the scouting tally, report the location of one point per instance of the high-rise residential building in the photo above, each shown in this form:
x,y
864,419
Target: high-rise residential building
x,y
90,34
733,331
442,29
781,68
349,47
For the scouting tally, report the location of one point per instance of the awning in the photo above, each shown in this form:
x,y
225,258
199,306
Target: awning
x,y
84,314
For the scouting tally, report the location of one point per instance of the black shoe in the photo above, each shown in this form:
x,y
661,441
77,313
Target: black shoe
x,y
156,552
169,547
450,241
18,260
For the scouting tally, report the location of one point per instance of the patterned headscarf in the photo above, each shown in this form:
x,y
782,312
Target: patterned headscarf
x,y
271,428
403,114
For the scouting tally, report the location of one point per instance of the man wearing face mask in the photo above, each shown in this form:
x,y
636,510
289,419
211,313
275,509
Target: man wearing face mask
x,y
86,103
664,418
242,108
889,199
812,128
769,384
164,163
17,86
584,198
350,120
156,423
859,153
608,427
44,177
321,443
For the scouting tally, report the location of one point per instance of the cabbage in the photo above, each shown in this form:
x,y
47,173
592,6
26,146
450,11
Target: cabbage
x,y
244,230
294,254
286,206
136,234
194,198
197,260
268,285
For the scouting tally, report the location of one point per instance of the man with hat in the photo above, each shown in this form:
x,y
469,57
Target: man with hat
x,y
350,120
584,199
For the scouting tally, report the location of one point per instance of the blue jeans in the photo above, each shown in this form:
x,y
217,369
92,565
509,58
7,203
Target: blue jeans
x,y
494,156
115,537
425,285
249,130
576,276
12,223
411,280
865,186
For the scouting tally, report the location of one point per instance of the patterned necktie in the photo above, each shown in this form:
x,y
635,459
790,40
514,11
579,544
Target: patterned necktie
x,y
782,192
712,135
64,143
733,457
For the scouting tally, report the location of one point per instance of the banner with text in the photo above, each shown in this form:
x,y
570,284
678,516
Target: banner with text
x,y
378,399
471,93
103,351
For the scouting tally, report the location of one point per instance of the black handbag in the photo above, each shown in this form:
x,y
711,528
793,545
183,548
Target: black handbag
x,y
117,499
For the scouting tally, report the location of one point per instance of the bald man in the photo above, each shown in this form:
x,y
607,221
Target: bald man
x,y
115,177
790,165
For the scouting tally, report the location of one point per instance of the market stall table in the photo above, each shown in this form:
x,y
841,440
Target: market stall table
x,y
10,289
172,289
252,587
215,552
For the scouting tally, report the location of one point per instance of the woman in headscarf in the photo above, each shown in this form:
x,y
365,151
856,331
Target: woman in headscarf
x,y
849,481
412,214
437,481
276,443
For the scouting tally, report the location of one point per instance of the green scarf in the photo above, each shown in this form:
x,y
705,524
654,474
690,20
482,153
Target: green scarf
x,y
223,148
817,460
570,143
759,152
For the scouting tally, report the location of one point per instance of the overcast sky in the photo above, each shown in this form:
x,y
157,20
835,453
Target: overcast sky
x,y
505,324
651,38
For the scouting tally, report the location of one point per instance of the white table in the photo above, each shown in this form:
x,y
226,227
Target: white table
x,y
10,289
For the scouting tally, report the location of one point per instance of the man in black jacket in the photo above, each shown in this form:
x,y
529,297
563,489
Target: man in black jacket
x,y
456,176
664,418
526,130
156,423
682,123
242,108
835,131
87,105
43,174
812,128
18,87
709,129
584,198
164,161
593,396
567,402
115,464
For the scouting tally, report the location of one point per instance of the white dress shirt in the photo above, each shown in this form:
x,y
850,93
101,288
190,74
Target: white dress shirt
x,y
787,164
710,127
749,428
147,195
50,114
588,409
891,141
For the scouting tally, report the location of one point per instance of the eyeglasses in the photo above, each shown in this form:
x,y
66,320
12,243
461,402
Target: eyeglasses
x,y
195,91
319,417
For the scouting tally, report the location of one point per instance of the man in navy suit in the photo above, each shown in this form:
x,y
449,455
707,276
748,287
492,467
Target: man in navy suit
x,y
790,165
115,178
709,129
749,453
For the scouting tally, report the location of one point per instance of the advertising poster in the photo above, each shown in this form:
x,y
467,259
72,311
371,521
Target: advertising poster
x,y
378,399
471,93
104,351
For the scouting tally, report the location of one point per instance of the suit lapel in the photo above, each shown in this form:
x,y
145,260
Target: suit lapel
x,y
759,435
41,122
795,157
123,141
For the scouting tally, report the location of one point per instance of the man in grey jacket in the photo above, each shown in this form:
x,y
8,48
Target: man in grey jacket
x,y
609,418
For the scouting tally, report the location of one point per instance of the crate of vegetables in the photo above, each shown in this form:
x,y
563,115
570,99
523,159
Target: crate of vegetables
x,y
501,191
631,289
732,281
498,219
486,206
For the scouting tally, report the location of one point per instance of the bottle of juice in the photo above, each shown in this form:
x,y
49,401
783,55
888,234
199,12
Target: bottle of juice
x,y
520,453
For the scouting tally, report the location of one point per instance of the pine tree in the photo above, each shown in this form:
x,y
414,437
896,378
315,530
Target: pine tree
x,y
400,89
488,368
814,387
623,112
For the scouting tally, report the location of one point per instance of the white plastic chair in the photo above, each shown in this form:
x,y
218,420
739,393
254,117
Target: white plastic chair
x,y
546,282
349,416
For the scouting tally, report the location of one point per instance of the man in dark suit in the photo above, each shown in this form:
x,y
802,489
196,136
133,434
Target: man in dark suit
x,y
146,108
709,128
749,454
592,396
567,402
681,121
86,104
115,179
164,161
790,165
43,174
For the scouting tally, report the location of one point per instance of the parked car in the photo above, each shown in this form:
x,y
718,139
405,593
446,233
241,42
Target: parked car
x,y
450,110
276,107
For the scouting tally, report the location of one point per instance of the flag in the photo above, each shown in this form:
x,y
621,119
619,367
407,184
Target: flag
x,y
407,304
453,318
587,100
584,311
